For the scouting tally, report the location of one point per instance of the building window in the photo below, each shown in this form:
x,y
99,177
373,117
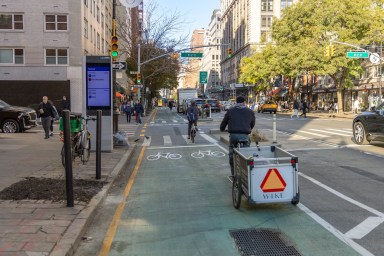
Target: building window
x,y
98,41
285,4
56,56
86,3
56,22
102,21
11,56
266,21
267,5
94,37
11,21
102,45
90,8
85,28
98,14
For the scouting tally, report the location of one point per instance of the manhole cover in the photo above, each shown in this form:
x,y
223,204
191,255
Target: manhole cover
x,y
262,242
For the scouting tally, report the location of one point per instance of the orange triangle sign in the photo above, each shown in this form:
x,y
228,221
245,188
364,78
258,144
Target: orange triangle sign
x,y
273,182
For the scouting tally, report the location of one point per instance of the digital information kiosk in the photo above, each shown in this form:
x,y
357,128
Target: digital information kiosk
x,y
98,96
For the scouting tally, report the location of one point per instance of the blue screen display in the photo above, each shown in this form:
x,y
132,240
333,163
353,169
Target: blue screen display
x,y
98,86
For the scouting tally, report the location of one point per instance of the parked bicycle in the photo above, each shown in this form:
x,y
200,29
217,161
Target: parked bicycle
x,y
80,139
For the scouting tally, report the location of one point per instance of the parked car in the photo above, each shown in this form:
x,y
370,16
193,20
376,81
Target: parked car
x,y
215,105
369,126
268,106
16,119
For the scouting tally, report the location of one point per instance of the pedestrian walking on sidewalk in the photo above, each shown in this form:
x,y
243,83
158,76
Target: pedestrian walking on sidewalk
x,y
240,120
56,117
138,110
46,113
127,109
304,108
295,109
356,106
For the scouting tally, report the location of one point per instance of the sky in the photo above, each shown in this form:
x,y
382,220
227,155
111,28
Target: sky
x,y
197,13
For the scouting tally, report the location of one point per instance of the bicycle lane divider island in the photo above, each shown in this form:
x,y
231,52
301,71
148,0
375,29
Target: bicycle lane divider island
x,y
178,202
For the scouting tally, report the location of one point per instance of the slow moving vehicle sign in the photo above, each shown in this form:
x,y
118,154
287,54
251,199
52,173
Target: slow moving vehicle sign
x,y
273,182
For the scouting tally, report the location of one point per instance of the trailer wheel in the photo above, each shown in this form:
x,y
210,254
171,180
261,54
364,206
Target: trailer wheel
x,y
237,191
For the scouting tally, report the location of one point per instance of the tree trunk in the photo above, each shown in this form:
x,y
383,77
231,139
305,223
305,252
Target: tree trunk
x,y
340,98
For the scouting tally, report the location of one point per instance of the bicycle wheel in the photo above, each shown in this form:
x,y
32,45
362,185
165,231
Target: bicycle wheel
x,y
63,155
217,154
237,191
197,155
193,135
174,156
86,151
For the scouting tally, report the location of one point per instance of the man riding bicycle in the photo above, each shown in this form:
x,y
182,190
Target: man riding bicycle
x,y
240,120
192,116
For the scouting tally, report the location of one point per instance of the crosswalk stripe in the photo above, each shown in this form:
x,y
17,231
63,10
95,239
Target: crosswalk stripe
x,y
164,122
185,137
147,142
175,121
316,134
337,130
167,140
334,133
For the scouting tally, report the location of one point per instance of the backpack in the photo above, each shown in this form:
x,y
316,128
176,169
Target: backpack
x,y
191,114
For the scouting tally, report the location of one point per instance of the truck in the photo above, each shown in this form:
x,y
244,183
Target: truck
x,y
182,95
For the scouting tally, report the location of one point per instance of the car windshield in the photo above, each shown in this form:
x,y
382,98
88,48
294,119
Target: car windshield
x,y
3,104
212,101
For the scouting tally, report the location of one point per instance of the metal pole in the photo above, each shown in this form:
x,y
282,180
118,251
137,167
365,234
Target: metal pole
x,y
138,70
68,159
274,129
115,113
380,65
98,145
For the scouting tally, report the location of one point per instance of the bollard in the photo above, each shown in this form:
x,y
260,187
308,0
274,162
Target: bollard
x,y
274,129
68,158
98,145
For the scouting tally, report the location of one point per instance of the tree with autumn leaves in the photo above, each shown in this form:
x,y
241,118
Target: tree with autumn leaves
x,y
303,32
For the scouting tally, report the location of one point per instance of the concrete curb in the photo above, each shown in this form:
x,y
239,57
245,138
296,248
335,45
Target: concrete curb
x,y
73,235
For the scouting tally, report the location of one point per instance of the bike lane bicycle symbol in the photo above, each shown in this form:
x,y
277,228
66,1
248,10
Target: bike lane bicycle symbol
x,y
168,155
201,154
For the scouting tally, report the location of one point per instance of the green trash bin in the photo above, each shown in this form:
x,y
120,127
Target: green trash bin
x,y
76,122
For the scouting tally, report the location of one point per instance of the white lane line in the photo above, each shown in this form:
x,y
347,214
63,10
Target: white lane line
x,y
147,142
308,149
208,138
310,139
334,133
364,228
175,121
312,133
152,122
167,140
342,196
358,248
185,137
343,131
188,146
164,122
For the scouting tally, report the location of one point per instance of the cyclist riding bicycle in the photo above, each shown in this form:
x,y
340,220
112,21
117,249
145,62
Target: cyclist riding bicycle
x,y
240,120
192,116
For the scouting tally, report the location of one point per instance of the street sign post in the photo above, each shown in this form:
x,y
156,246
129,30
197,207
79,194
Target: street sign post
x,y
119,65
192,54
203,77
358,55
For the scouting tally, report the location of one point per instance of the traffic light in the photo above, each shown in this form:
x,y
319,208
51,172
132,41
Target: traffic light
x,y
114,47
327,51
332,50
138,78
229,52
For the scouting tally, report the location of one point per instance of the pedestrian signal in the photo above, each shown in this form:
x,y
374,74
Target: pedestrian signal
x,y
138,78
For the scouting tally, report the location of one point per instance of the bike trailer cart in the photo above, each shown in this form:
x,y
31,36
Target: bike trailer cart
x,y
265,174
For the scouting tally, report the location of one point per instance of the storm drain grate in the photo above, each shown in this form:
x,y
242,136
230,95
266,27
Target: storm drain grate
x,y
262,242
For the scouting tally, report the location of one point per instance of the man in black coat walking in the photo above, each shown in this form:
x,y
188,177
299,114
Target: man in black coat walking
x,y
46,113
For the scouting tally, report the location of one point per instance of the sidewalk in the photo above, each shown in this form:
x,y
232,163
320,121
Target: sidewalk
x,y
323,114
39,227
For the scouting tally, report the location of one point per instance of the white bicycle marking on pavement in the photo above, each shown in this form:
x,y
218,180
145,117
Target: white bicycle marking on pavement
x,y
168,155
201,154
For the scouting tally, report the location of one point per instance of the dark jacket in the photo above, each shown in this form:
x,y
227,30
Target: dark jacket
x,y
239,119
139,108
296,105
65,105
47,108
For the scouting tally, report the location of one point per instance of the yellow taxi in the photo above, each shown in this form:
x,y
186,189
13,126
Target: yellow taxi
x,y
268,106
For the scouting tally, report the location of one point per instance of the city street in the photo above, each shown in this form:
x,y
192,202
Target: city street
x,y
177,204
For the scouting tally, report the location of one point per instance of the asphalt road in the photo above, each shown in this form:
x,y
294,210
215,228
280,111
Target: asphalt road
x,y
175,204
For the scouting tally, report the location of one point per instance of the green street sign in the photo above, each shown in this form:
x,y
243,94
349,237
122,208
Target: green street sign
x,y
203,77
192,54
358,55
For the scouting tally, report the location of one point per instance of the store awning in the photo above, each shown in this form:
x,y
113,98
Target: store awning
x,y
119,95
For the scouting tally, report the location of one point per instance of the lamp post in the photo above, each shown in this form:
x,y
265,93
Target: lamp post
x,y
380,65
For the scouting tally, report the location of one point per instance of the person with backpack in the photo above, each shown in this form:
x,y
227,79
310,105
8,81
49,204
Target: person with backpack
x,y
240,120
127,109
138,110
192,116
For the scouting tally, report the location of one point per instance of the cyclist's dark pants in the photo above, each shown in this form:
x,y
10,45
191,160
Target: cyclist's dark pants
x,y
233,139
190,127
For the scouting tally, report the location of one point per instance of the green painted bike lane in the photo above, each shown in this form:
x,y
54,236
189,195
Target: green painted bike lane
x,y
182,205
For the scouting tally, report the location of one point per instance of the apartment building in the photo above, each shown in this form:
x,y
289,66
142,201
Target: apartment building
x,y
42,47
245,28
194,65
212,55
